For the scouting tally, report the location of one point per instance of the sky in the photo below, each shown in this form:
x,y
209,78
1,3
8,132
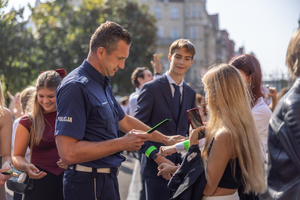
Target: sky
x,y
263,27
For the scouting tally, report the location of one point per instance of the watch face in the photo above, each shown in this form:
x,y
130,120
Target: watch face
x,y
154,156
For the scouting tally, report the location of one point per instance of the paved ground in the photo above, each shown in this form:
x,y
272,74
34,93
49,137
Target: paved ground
x,y
124,177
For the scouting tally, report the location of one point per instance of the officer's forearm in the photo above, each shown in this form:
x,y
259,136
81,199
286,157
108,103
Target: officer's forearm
x,y
129,123
159,137
73,151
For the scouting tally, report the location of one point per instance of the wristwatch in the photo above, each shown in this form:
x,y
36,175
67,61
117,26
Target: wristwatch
x,y
154,156
157,73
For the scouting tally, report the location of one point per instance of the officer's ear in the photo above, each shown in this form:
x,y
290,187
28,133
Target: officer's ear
x,y
101,52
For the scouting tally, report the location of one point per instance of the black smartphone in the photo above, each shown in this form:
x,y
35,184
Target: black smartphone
x,y
196,121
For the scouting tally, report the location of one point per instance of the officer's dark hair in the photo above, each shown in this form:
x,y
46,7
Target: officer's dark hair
x,y
46,80
138,72
107,36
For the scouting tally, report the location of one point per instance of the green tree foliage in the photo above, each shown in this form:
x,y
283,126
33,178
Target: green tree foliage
x,y
60,38
142,27
17,58
63,33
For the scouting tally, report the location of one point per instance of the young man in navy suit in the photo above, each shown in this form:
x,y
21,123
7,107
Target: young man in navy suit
x,y
167,97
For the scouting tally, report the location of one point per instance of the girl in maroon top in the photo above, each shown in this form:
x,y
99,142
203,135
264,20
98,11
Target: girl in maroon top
x,y
36,130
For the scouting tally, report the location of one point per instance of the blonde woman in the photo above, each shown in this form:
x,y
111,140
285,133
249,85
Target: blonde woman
x,y
232,151
5,142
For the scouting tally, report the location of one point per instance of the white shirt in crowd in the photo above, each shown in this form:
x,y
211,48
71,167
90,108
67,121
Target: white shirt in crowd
x,y
15,124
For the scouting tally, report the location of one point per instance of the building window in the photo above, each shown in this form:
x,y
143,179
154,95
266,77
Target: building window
x,y
199,11
194,32
196,76
187,33
174,13
194,11
174,33
157,12
200,32
160,31
187,12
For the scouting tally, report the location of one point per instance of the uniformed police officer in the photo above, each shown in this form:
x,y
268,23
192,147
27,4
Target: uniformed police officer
x,y
88,119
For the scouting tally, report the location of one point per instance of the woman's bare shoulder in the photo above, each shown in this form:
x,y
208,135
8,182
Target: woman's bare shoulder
x,y
7,114
6,118
222,135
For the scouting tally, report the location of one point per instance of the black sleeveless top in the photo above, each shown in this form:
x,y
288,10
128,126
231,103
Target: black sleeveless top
x,y
230,180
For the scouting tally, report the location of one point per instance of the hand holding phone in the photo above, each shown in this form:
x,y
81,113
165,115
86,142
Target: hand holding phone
x,y
196,121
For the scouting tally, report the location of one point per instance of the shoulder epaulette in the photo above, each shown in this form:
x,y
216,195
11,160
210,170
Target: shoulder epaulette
x,y
83,80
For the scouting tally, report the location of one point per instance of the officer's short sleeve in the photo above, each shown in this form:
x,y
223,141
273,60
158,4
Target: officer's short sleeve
x,y
117,105
120,110
71,110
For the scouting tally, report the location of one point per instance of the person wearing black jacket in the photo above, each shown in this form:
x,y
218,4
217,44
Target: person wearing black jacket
x,y
284,134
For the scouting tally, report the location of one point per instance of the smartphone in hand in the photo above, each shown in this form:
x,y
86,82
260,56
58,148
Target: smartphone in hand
x,y
196,121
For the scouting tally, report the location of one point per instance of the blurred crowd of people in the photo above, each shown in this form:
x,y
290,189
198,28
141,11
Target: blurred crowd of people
x,y
66,132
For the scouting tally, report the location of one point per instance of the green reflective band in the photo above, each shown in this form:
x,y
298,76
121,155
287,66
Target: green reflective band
x,y
149,151
186,144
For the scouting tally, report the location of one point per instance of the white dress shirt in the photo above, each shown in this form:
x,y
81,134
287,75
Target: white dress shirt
x,y
133,101
171,81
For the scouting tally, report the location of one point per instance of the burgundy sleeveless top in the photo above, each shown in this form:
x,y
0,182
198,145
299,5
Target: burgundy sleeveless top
x,y
45,155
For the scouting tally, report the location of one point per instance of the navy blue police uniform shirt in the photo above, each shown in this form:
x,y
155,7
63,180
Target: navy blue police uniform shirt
x,y
88,111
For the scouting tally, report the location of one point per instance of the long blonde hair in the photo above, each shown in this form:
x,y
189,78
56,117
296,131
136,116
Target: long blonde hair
x,y
2,102
229,108
49,80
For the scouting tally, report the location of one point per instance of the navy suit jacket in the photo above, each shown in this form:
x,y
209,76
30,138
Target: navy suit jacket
x,y
155,104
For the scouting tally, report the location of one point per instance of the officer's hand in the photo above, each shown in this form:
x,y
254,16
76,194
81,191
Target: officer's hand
x,y
174,139
134,139
61,164
167,150
34,172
